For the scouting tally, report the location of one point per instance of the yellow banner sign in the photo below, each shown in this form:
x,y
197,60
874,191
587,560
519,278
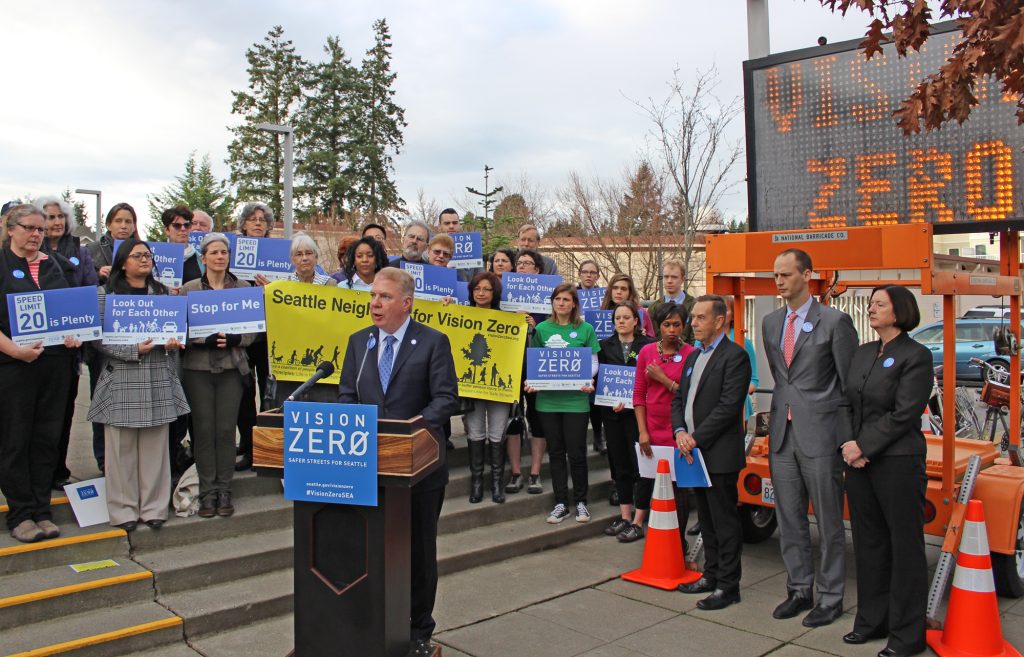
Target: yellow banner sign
x,y
310,324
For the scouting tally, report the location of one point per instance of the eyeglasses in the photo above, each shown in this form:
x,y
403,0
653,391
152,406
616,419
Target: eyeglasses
x,y
442,253
31,229
53,217
141,257
525,263
484,289
305,254
180,226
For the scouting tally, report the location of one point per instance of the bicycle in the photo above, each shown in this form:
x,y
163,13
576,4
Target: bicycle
x,y
967,425
996,397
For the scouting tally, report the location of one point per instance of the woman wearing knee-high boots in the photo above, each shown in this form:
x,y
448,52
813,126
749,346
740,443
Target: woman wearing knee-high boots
x,y
485,424
621,433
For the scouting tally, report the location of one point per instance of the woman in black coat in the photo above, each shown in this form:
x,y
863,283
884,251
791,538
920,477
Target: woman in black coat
x,y
621,431
888,386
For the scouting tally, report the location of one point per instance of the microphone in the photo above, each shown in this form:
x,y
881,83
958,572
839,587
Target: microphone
x,y
323,370
370,344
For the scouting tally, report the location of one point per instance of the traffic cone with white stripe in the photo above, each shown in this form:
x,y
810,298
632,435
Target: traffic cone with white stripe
x,y
663,566
972,626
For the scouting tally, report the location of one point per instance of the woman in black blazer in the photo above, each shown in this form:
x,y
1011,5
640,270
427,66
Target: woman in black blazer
x,y
888,386
621,432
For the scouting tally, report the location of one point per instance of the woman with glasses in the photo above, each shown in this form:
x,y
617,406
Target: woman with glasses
x,y
305,254
255,220
137,397
217,373
34,383
363,259
528,261
564,413
60,222
622,290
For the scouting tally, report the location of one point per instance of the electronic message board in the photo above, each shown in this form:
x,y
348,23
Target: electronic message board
x,y
824,151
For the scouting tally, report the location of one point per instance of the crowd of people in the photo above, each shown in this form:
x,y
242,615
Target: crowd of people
x,y
843,416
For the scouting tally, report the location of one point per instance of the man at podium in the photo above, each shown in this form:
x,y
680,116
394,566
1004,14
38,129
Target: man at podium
x,y
406,369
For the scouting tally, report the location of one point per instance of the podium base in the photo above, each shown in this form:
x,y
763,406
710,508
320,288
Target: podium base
x,y
435,653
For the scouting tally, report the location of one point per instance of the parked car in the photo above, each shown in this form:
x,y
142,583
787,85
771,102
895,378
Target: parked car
x,y
980,312
973,340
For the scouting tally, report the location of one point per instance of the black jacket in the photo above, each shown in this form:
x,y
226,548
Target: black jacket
x,y
718,406
887,394
611,354
54,273
423,383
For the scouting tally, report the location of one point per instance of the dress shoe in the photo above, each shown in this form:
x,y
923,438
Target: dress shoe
x,y
243,463
60,484
155,523
420,648
719,600
224,506
702,585
793,605
128,526
693,531
49,529
28,531
892,652
208,507
821,616
856,638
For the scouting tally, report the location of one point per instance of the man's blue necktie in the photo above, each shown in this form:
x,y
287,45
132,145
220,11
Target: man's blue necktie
x,y
387,360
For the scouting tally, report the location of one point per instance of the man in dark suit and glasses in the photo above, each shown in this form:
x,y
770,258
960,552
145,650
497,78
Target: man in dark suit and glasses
x,y
809,347
406,369
707,412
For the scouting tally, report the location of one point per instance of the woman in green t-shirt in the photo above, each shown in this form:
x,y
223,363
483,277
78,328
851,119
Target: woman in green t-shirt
x,y
564,413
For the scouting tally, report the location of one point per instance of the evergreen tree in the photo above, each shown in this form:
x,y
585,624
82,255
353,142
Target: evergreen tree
x,y
199,189
641,210
378,133
81,215
256,157
324,130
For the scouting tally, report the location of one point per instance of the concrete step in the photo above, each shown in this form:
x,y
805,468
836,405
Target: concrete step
x,y
252,514
186,567
233,604
458,514
275,637
176,650
497,542
62,513
49,593
107,632
75,545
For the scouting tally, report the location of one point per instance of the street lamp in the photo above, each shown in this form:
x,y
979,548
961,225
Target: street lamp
x,y
99,219
289,144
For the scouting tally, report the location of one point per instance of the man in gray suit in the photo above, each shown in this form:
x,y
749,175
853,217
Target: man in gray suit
x,y
809,347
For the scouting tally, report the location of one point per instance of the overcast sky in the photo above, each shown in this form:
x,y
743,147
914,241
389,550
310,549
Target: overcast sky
x,y
114,95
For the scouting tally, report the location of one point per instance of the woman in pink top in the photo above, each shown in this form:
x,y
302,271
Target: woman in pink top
x,y
659,368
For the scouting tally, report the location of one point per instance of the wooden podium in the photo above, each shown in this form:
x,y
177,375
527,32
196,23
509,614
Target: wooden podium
x,y
352,563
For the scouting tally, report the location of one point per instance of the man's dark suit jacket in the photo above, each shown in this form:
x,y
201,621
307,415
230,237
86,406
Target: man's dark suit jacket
x,y
718,406
423,383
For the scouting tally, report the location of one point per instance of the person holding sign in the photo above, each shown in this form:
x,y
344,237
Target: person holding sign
x,y
622,290
502,260
34,383
305,255
439,253
137,397
564,413
621,431
121,224
659,367
177,223
362,261
216,375
707,412
406,369
527,262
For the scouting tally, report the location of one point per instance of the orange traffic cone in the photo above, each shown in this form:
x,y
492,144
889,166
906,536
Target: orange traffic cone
x,y
972,619
663,566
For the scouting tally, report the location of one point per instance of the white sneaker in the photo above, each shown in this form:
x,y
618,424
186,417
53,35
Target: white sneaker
x,y
582,515
558,514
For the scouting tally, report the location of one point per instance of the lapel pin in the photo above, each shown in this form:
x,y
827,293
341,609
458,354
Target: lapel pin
x,y
413,341
807,327
888,362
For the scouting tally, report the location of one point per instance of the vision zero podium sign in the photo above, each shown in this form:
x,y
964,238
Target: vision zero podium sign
x,y
352,558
